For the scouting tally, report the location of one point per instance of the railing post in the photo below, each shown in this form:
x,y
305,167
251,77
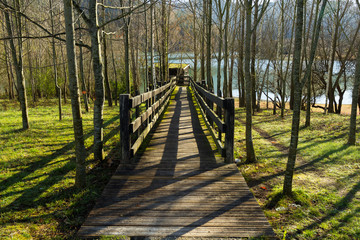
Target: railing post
x,y
125,138
229,135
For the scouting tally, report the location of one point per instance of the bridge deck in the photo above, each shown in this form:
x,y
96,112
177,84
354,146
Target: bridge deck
x,y
178,188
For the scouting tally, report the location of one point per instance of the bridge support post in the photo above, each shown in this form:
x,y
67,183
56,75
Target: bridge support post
x,y
229,135
124,102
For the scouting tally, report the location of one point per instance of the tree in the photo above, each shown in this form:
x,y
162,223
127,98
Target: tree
x,y
208,46
106,75
241,40
18,60
250,152
298,86
226,48
57,87
249,30
80,151
355,97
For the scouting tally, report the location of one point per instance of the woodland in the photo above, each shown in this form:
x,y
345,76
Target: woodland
x,y
63,64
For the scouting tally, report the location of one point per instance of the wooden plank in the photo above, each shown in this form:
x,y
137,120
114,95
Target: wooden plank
x,y
136,101
207,221
176,231
182,213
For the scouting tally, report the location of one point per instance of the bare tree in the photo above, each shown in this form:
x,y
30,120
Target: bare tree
x,y
80,151
17,59
355,98
57,87
298,86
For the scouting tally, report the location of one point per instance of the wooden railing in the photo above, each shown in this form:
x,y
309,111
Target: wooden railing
x,y
145,109
217,122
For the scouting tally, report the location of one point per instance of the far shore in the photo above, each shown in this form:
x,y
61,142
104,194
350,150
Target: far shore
x,y
345,109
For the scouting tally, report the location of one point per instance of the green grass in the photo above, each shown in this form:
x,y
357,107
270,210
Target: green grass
x,y
38,199
326,201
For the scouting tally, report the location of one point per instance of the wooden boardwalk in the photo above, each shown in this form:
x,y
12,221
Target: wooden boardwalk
x,y
178,188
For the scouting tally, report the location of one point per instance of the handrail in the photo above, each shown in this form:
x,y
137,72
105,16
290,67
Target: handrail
x,y
133,133
206,101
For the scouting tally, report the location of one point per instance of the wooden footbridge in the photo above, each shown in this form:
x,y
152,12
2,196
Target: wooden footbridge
x,y
177,183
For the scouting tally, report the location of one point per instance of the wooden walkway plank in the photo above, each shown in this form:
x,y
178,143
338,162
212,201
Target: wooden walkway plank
x,y
178,187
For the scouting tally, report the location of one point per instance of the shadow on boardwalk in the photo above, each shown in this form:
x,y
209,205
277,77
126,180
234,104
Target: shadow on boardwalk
x,y
177,188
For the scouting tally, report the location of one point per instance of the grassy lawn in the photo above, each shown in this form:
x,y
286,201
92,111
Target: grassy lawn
x,y
37,169
326,201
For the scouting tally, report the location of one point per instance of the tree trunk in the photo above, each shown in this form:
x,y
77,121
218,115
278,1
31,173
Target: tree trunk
x,y
308,102
241,78
146,84
164,43
18,62
226,48
57,88
9,75
115,73
208,47
106,75
127,54
202,58
219,58
31,75
298,85
99,81
253,56
80,151
82,75
250,153
152,54
309,80
283,80
297,100
329,94
65,74
195,41
355,102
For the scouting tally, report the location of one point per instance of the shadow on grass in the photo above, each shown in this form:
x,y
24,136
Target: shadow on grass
x,y
306,166
337,209
13,131
31,198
